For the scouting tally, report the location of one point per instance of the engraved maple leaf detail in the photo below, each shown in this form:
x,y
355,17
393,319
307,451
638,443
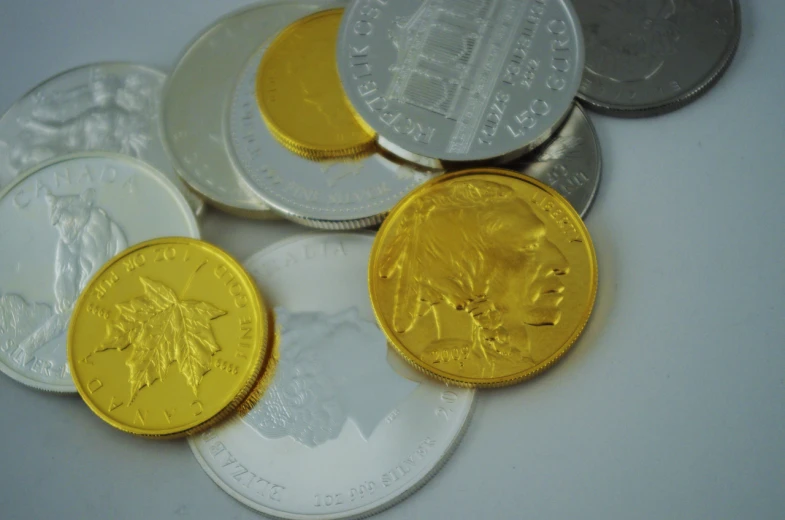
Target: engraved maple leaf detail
x,y
161,330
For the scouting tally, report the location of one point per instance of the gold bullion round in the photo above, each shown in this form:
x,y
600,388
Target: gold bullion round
x,y
483,277
300,94
168,338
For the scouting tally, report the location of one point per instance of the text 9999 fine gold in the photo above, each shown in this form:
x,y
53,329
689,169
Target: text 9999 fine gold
x,y
483,277
300,94
168,338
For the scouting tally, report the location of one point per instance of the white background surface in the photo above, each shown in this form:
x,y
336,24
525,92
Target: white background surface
x,y
672,405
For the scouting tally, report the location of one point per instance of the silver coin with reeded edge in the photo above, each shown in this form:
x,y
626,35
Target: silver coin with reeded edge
x,y
570,162
648,57
102,107
197,95
461,80
59,224
328,194
346,428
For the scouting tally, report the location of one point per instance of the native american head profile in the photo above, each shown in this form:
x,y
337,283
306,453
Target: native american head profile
x,y
472,262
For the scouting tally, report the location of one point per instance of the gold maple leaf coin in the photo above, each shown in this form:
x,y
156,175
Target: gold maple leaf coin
x,y
169,337
300,95
483,277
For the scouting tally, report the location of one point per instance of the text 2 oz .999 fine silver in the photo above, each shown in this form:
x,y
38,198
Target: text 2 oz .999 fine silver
x,y
346,427
198,92
461,80
103,107
653,56
59,225
329,194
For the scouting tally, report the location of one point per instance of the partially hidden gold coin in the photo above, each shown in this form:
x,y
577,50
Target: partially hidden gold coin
x,y
300,94
483,277
168,338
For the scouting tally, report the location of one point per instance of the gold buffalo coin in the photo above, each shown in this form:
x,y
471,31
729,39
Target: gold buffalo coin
x,y
300,94
483,277
168,338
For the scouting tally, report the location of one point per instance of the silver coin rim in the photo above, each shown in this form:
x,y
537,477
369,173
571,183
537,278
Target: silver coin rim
x,y
416,486
600,165
449,163
338,224
179,199
198,211
258,212
672,104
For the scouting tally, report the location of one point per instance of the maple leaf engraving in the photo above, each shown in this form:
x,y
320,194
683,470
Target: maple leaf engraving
x,y
161,330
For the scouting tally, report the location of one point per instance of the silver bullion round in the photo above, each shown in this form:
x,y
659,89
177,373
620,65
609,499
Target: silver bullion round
x,y
570,162
196,98
59,224
461,80
346,428
333,194
653,56
106,107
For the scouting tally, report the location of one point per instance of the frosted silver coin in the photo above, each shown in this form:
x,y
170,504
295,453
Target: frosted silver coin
x,y
570,162
346,194
59,224
346,428
647,57
197,95
107,107
461,80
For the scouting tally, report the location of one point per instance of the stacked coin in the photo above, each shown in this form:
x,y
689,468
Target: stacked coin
x,y
453,124
61,223
300,96
167,302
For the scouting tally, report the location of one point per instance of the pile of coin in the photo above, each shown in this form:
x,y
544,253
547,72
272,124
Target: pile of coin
x,y
451,124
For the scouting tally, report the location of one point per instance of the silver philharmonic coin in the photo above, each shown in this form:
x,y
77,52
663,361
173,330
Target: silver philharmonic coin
x,y
461,80
59,224
346,429
196,98
107,107
647,57
340,194
570,162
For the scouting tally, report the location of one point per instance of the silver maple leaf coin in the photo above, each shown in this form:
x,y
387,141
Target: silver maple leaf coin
x,y
328,194
196,97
